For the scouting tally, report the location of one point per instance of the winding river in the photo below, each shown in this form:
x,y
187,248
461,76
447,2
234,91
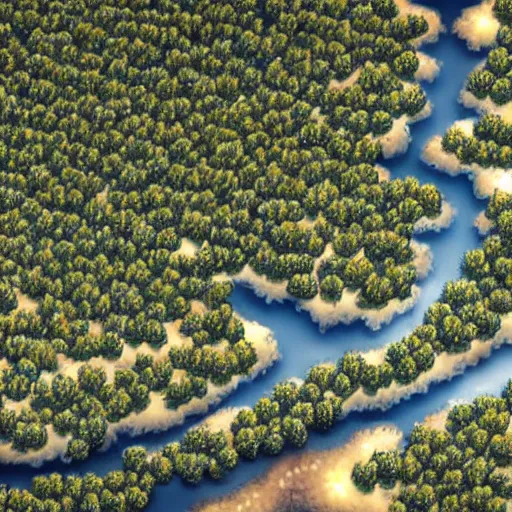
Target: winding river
x,y
300,343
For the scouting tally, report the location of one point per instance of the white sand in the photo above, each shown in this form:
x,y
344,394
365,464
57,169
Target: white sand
x,y
435,26
423,259
319,480
262,286
383,172
437,420
187,248
485,180
494,178
220,278
434,155
396,141
477,26
469,100
95,328
307,222
467,126
429,68
17,407
197,307
377,356
347,311
341,491
4,364
174,339
423,114
25,303
483,224
442,221
222,419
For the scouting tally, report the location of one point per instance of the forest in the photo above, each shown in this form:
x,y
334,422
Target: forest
x,y
493,79
128,128
469,308
490,144
463,466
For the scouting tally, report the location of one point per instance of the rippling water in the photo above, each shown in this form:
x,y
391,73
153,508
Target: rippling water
x,y
300,343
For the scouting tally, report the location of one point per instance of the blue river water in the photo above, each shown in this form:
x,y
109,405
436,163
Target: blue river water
x,y
300,343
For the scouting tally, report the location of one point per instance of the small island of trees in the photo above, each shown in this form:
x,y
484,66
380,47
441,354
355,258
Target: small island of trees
x,y
493,80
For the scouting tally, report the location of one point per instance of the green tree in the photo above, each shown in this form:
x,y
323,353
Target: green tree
x,y
302,286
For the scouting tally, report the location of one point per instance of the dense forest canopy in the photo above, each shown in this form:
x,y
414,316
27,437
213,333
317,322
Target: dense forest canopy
x,y
128,126
195,119
463,467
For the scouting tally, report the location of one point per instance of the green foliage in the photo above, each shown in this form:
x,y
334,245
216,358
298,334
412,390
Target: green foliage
x,y
139,127
503,10
459,468
8,300
302,286
129,131
444,468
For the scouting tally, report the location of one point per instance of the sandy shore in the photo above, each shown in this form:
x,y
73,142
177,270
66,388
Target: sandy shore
x,y
157,417
347,309
435,25
318,480
485,179
442,221
446,366
396,141
483,224
486,106
429,68
477,26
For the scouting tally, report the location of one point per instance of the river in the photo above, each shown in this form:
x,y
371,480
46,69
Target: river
x,y
300,343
